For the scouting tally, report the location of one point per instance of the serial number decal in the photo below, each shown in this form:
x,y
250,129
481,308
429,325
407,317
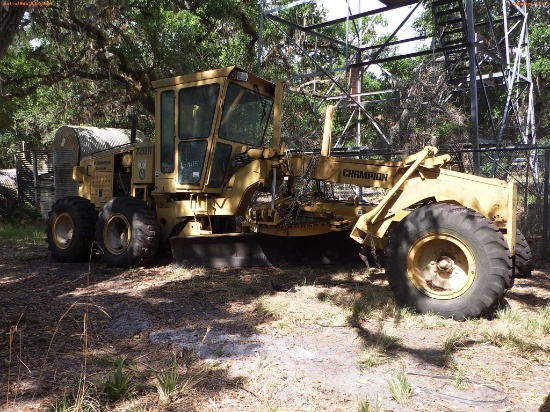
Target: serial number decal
x,y
362,174
144,151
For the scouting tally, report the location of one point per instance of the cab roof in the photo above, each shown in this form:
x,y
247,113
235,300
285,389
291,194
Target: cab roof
x,y
208,74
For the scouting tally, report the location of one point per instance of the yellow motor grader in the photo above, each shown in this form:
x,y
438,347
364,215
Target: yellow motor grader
x,y
211,186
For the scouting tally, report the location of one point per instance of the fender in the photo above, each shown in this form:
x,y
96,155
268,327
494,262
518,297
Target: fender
x,y
442,191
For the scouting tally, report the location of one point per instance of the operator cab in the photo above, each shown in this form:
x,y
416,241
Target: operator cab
x,y
205,122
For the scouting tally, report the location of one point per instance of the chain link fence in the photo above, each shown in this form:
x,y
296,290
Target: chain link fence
x,y
529,167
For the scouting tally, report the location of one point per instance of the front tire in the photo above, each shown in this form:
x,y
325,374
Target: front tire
x,y
127,232
70,229
449,260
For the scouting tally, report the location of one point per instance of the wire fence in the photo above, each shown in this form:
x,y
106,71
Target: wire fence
x,y
529,167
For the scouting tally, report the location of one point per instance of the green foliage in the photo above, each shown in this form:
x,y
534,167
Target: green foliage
x,y
400,387
77,399
452,341
78,62
119,385
167,380
23,234
366,406
16,212
539,37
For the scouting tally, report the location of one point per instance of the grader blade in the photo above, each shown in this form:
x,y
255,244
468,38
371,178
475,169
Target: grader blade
x,y
245,250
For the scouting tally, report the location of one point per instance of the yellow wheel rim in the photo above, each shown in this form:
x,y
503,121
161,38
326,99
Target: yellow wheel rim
x,y
117,234
441,266
63,230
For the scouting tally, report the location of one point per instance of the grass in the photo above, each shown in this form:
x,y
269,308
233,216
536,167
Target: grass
x,y
370,358
384,340
461,381
81,399
312,307
452,341
400,387
317,306
538,324
520,332
431,321
167,380
192,372
119,385
360,310
178,273
509,339
33,234
377,354
366,406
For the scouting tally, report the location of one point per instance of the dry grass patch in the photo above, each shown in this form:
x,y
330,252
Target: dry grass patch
x,y
452,341
379,352
400,387
524,333
308,305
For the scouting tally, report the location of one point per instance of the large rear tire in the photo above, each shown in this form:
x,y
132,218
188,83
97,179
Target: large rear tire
x,y
523,258
449,260
70,229
127,232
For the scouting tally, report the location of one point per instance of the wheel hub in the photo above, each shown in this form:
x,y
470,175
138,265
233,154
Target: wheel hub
x,y
441,266
116,234
63,230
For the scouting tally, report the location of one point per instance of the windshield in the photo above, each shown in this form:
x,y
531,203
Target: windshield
x,y
196,111
245,115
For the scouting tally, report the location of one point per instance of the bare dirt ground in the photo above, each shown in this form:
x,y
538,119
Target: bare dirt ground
x,y
336,341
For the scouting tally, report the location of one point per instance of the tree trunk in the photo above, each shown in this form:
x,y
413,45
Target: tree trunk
x,y
10,19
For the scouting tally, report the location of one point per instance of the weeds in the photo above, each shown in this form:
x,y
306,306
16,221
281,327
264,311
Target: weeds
x,y
508,315
119,385
452,341
370,358
539,323
461,381
378,353
167,380
17,213
360,310
400,387
192,374
385,341
432,321
406,316
366,406
82,401
510,340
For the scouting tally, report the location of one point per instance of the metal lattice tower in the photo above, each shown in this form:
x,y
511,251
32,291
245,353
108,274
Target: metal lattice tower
x,y
482,39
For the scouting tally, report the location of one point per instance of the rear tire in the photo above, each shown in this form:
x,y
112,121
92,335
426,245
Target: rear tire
x,y
523,258
127,232
449,260
70,229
